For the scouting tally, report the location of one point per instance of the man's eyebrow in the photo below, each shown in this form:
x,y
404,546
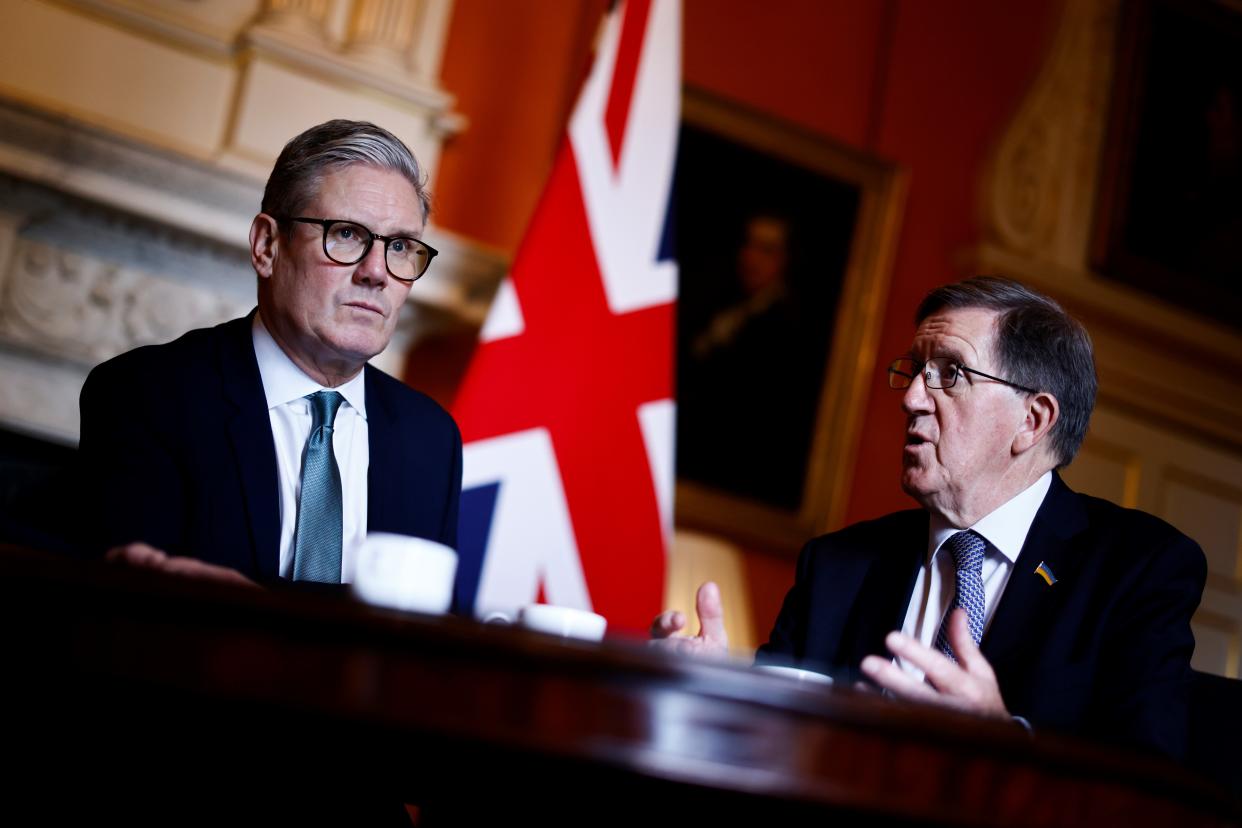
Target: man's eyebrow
x,y
398,233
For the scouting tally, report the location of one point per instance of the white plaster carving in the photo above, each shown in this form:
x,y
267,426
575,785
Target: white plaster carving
x,y
81,309
40,397
1041,190
393,46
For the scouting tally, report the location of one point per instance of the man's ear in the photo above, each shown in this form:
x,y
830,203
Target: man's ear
x,y
264,244
1042,412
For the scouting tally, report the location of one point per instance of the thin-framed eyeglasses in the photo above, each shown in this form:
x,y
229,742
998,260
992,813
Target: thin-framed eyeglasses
x,y
348,242
938,372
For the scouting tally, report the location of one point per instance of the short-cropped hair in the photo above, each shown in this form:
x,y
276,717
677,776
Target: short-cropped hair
x,y
1037,344
305,160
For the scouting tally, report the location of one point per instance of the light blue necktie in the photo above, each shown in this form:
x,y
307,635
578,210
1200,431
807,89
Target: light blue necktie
x,y
968,549
317,541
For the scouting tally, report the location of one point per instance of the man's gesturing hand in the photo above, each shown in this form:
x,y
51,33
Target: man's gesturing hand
x,y
711,640
969,685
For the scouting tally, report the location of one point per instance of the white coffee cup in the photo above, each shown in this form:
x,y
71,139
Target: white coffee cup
x,y
405,573
565,622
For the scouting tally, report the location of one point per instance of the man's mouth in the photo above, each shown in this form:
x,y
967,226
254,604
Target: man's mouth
x,y
916,439
367,306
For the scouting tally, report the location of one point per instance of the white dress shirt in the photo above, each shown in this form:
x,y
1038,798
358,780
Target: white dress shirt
x,y
1005,530
286,387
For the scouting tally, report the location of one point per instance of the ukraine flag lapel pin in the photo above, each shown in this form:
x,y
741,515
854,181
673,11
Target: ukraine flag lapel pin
x,y
1044,571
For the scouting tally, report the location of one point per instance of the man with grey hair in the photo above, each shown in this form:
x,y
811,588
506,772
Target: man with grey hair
x,y
265,449
1015,597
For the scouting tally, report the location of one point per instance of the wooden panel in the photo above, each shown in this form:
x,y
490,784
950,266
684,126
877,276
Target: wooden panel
x,y
1106,470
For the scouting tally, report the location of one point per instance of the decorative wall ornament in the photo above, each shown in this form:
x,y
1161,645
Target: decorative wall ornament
x,y
393,46
1040,191
76,308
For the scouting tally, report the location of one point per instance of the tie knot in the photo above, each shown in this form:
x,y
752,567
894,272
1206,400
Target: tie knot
x,y
324,405
967,548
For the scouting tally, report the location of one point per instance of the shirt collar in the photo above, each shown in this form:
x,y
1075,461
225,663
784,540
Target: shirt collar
x,y
1005,528
285,382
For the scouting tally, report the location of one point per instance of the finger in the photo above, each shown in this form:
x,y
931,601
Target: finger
x,y
964,647
937,667
897,681
667,623
976,692
708,607
136,554
193,568
681,645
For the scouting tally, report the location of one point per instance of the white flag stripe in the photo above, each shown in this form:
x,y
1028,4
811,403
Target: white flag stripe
x,y
504,319
626,208
532,537
658,421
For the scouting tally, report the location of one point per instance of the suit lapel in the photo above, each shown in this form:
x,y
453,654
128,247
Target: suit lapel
x,y
1026,606
250,433
885,594
385,466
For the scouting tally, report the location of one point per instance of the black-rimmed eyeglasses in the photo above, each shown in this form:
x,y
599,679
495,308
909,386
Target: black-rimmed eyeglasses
x,y
938,372
348,242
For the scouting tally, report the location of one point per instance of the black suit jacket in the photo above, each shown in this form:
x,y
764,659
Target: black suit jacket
x,y
177,451
1104,652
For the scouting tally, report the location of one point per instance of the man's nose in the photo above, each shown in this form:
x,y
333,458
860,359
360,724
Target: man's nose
x,y
917,398
372,269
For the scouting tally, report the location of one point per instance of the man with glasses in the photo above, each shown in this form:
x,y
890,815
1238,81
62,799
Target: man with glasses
x,y
1007,594
265,449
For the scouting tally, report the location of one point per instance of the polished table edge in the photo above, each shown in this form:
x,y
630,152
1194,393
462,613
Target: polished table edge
x,y
619,704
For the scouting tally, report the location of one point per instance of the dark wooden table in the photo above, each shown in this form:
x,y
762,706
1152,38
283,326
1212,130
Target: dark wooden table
x,y
123,688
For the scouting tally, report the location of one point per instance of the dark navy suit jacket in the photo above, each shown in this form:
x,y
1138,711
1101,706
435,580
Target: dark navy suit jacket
x,y
177,452
1104,652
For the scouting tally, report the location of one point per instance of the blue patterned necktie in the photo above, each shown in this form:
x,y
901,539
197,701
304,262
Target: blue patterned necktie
x,y
968,549
317,541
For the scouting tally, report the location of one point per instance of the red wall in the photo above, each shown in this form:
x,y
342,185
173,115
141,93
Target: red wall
x,y
515,68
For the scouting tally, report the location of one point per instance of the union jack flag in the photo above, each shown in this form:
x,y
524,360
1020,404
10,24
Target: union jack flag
x,y
566,408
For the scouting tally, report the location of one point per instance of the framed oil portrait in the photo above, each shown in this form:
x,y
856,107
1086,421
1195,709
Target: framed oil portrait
x,y
1168,215
783,241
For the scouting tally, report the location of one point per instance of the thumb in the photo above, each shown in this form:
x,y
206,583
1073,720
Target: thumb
x,y
711,614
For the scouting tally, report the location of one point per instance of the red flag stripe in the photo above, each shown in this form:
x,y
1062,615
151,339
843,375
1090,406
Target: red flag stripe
x,y
623,74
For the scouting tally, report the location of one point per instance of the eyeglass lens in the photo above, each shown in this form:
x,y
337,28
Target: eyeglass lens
x,y
347,243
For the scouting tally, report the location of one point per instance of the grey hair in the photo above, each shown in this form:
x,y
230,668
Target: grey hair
x,y
1038,345
302,164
